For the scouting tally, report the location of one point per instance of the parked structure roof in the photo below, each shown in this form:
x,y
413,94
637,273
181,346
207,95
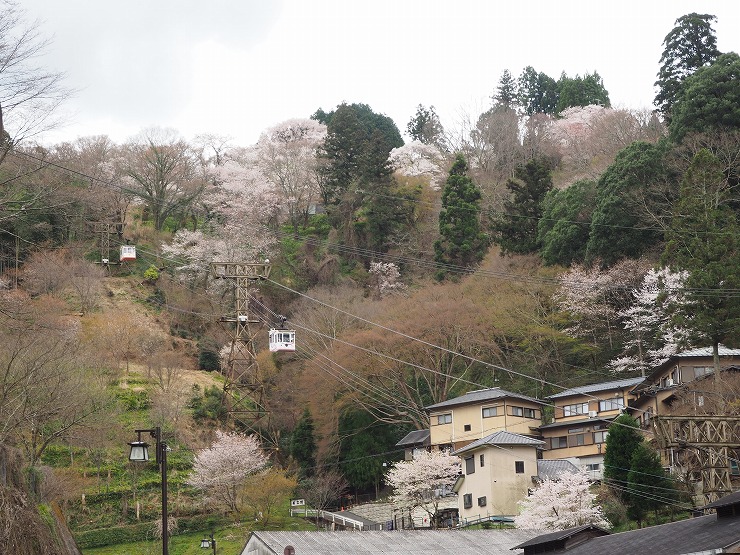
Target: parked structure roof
x,y
479,396
417,437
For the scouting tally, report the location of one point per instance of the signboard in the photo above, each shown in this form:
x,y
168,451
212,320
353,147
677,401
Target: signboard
x,y
297,502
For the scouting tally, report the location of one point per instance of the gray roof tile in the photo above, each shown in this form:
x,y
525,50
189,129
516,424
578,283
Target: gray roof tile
x,y
501,438
481,395
596,387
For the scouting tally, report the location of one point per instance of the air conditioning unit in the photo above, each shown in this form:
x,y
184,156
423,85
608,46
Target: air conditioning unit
x,y
592,414
669,382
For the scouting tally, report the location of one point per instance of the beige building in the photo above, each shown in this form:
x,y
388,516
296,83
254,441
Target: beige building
x,y
581,419
498,471
477,414
655,394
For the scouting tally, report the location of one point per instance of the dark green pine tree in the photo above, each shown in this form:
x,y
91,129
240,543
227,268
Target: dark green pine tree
x,y
704,240
623,439
515,231
581,91
506,92
538,92
303,445
690,45
462,241
648,488
709,100
425,126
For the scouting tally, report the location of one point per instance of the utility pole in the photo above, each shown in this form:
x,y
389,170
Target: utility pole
x,y
243,386
708,442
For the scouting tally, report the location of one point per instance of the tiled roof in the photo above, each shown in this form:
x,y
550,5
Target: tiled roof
x,y
551,469
569,423
399,542
481,395
500,438
417,437
596,387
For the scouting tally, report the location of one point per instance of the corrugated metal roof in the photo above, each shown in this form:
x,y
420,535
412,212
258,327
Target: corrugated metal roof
x,y
481,395
551,469
601,386
708,352
571,423
561,535
500,438
400,542
417,437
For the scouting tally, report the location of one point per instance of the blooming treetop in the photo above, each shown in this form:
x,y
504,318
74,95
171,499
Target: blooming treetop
x,y
417,159
220,470
422,481
559,504
653,337
387,278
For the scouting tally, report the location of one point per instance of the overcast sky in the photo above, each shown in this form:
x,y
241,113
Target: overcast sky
x,y
236,67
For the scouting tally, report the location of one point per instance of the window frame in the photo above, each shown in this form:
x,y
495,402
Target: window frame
x,y
443,419
519,467
580,409
493,412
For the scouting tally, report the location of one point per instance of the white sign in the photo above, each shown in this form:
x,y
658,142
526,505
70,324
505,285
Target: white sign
x,y
297,502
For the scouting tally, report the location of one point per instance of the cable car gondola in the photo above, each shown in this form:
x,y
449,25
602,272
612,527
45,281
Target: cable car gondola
x,y
282,340
128,253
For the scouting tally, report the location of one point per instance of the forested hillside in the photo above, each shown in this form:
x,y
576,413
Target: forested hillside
x,y
552,241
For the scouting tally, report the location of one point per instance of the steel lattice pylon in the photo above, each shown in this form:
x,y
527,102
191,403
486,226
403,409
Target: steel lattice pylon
x,y
708,440
243,387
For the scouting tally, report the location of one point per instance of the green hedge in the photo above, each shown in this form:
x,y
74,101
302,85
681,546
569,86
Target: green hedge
x,y
142,532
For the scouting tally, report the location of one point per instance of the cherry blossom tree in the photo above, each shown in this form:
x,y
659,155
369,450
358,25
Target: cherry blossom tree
x,y
386,278
423,481
559,504
416,159
221,470
652,336
286,158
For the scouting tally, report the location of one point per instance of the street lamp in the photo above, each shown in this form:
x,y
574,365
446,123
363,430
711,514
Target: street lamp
x,y
140,453
205,543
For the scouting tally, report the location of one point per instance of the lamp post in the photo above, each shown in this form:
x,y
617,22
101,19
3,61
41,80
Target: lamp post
x,y
140,453
205,543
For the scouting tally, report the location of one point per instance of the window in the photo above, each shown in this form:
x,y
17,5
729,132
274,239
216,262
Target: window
x,y
579,439
734,468
600,437
573,410
468,500
488,412
612,404
482,501
575,430
558,442
469,465
517,411
466,427
593,467
702,370
482,461
519,467
530,413
444,418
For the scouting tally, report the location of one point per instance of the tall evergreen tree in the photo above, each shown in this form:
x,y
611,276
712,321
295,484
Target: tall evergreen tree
x,y
623,195
709,100
648,488
538,92
581,91
690,45
515,231
303,445
506,92
704,240
425,127
623,439
462,242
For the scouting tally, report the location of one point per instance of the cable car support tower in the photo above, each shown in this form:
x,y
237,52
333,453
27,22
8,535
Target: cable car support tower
x,y
243,388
